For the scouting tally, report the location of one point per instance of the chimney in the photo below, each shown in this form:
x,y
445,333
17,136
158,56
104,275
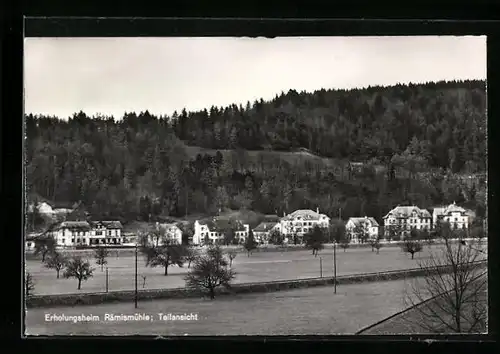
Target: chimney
x,y
284,213
317,210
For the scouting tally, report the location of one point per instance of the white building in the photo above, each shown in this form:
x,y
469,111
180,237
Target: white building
x,y
302,221
456,216
262,231
73,233
106,232
356,226
171,234
403,219
215,230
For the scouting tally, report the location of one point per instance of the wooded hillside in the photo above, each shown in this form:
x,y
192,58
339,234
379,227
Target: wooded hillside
x,y
274,157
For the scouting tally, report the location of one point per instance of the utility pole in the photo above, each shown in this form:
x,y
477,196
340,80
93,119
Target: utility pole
x,y
107,278
135,297
334,267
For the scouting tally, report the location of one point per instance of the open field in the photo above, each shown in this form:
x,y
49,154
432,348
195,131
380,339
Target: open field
x,y
409,321
265,266
293,312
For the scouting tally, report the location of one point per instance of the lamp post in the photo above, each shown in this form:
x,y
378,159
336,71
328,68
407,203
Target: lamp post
x,y
135,294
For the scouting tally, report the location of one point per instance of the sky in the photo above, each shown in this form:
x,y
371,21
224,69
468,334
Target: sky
x,y
111,76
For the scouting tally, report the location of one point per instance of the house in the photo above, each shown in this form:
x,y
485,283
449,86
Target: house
x,y
42,207
29,242
71,233
215,230
173,234
402,219
302,221
356,226
105,232
262,232
456,216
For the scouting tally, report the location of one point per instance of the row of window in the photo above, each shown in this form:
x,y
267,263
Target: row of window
x,y
86,233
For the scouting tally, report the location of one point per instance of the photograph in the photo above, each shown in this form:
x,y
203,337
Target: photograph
x,y
254,186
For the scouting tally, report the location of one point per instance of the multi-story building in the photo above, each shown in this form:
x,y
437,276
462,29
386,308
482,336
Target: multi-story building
x,y
106,233
355,227
171,234
74,233
214,230
262,231
302,221
402,219
456,216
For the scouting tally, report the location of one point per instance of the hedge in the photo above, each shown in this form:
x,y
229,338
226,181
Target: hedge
x,y
245,288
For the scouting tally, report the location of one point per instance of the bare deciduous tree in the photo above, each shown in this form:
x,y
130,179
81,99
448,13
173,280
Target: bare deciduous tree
x,y
56,261
191,255
164,255
411,246
231,255
79,269
29,284
44,246
210,271
100,255
457,284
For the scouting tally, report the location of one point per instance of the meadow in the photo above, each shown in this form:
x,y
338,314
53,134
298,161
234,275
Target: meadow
x,y
259,267
293,312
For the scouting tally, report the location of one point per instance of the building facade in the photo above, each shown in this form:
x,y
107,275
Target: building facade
x,y
262,231
171,234
402,219
356,227
75,233
214,231
456,216
303,221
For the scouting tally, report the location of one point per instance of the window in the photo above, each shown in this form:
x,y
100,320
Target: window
x,y
72,240
63,240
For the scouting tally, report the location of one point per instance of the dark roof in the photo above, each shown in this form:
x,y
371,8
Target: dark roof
x,y
221,225
75,225
270,218
264,226
360,221
109,224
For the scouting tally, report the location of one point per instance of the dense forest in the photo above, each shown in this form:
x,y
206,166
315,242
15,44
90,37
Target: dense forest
x,y
141,166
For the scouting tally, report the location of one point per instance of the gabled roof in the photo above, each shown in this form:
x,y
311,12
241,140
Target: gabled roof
x,y
265,226
406,211
360,221
168,226
108,224
452,208
305,214
221,225
75,225
271,218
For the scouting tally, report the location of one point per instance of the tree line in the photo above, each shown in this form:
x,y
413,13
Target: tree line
x,y
142,166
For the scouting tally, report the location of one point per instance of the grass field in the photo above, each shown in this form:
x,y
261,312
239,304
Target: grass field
x,y
265,266
410,321
293,312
